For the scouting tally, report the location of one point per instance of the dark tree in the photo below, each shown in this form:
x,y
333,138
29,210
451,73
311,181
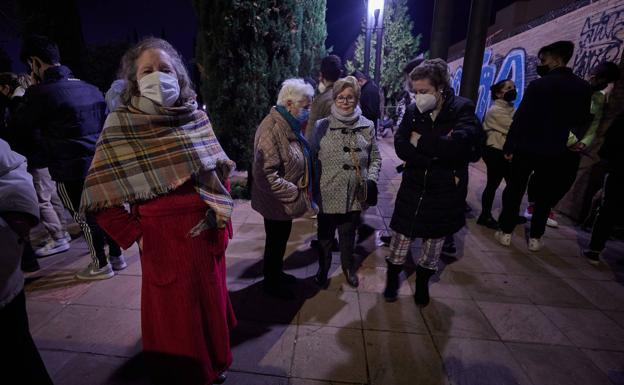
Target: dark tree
x,y
245,49
313,35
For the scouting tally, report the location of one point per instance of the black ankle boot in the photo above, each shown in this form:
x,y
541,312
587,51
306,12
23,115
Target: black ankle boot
x,y
421,295
325,258
392,281
351,277
487,221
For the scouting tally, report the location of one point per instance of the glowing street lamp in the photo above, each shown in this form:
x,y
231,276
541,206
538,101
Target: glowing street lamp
x,y
374,22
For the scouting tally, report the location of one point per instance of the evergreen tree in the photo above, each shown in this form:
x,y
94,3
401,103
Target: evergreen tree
x,y
313,35
399,47
245,50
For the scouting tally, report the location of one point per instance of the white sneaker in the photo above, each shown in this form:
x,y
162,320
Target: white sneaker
x,y
118,263
90,273
52,247
66,236
535,244
550,222
503,238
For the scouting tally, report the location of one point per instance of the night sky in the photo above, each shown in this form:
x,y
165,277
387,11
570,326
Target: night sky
x,y
118,20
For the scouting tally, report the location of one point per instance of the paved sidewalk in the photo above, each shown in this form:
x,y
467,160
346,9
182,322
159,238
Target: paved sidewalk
x,y
498,316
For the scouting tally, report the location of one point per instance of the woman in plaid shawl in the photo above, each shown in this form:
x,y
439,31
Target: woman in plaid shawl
x,y
158,153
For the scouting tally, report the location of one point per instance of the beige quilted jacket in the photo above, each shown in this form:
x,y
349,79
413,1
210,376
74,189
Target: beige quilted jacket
x,y
279,188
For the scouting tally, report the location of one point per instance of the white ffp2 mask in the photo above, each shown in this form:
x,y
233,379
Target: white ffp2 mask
x,y
425,102
160,88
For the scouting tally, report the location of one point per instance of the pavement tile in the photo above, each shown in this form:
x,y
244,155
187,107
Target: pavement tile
x,y
491,287
400,316
457,318
611,364
91,369
605,295
55,360
119,292
617,316
239,378
41,312
557,365
444,285
263,348
332,308
326,353
403,359
522,323
300,381
551,291
242,248
575,268
59,286
92,330
587,328
470,361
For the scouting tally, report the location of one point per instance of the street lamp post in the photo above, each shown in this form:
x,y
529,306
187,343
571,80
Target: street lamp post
x,y
374,23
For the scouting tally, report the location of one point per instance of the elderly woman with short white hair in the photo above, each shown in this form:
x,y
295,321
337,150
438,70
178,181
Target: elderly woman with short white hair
x,y
281,178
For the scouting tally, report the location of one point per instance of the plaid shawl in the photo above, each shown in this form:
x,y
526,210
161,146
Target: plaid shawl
x,y
146,150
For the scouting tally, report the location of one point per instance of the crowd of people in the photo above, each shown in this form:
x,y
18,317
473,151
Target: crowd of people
x,y
143,166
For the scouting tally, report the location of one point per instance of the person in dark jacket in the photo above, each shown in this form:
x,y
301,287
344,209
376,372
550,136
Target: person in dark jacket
x,y
369,99
434,139
611,206
553,106
65,115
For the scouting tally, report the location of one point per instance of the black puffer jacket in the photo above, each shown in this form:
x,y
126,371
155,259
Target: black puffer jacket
x,y
65,115
429,203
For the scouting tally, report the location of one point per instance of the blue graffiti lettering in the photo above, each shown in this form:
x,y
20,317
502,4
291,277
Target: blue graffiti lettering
x,y
513,67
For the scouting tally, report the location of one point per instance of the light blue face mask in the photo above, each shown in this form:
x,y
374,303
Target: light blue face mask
x,y
303,115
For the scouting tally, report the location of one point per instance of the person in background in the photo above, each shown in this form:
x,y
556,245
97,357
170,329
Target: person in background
x,y
113,96
346,156
601,78
496,125
553,106
13,88
180,212
19,212
407,96
369,99
66,116
282,173
611,207
331,68
434,139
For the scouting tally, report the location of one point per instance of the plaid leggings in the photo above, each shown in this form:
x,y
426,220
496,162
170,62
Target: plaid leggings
x,y
431,250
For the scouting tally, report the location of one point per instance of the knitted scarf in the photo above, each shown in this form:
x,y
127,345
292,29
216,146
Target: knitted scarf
x,y
348,120
146,150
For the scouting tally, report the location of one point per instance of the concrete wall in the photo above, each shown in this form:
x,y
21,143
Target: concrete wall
x,y
596,29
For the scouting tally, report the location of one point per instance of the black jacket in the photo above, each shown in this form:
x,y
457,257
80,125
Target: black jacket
x,y
612,149
65,115
552,107
430,201
370,102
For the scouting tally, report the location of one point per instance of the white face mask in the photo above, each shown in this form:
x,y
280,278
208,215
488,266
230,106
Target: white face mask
x,y
322,87
425,102
161,88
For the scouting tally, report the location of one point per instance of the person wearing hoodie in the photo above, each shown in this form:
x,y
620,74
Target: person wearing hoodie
x,y
19,212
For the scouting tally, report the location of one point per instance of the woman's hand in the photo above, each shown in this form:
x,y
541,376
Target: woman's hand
x,y
140,243
414,137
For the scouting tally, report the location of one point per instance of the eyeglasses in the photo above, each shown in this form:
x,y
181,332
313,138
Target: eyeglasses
x,y
343,99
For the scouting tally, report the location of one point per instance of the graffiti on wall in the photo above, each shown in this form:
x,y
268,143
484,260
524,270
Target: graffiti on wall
x,y
601,39
511,66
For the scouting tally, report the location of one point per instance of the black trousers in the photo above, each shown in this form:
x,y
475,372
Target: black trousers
x,y
569,168
552,177
497,169
96,238
346,224
19,357
277,234
611,208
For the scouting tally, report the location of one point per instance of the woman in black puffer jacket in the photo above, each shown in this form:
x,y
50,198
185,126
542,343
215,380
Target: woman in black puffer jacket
x,y
435,140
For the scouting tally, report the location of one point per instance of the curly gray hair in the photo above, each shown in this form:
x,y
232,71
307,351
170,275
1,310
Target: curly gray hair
x,y
436,70
128,70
